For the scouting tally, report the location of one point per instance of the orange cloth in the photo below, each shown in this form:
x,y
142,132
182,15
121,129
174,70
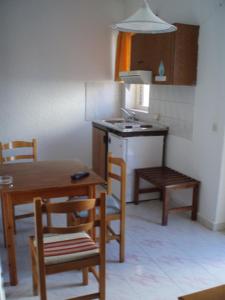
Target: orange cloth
x,y
123,53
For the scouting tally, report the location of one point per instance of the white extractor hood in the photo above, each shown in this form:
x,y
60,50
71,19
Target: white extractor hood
x,y
136,77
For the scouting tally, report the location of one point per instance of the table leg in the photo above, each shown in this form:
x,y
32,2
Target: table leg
x,y
136,188
165,199
9,236
91,191
195,202
3,222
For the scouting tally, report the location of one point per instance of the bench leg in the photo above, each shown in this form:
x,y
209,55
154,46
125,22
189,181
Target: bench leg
x,y
165,199
161,195
195,202
136,188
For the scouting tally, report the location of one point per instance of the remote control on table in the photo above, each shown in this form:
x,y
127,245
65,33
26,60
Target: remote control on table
x,y
79,175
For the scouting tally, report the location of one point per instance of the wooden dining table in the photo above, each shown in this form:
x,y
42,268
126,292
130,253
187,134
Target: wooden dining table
x,y
46,179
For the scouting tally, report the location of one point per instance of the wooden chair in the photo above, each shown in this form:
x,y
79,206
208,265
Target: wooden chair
x,y
11,152
115,208
48,259
8,151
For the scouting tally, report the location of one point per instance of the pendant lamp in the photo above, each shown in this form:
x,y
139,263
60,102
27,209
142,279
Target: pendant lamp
x,y
144,21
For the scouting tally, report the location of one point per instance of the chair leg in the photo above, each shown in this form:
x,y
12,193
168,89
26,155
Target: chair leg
x,y
85,276
107,235
42,287
34,278
48,216
34,270
41,280
122,240
122,252
102,282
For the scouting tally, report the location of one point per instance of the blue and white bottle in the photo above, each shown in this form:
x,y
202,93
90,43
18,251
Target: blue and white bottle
x,y
161,69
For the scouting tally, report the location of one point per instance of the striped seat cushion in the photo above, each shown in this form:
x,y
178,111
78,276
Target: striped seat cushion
x,y
68,247
112,207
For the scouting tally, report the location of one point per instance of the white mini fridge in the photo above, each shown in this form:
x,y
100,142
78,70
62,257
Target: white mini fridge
x,y
137,152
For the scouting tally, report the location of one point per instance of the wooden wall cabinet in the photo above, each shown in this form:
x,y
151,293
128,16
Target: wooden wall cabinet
x,y
178,50
99,151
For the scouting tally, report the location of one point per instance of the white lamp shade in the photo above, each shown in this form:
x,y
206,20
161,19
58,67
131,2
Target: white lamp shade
x,y
144,21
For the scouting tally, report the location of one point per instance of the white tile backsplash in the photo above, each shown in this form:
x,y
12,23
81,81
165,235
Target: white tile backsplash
x,y
175,105
178,127
183,94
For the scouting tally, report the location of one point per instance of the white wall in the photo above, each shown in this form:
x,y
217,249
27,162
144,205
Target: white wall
x,y
200,155
48,50
221,194
209,117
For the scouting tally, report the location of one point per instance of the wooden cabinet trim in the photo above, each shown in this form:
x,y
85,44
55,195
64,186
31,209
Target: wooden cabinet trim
x,y
99,151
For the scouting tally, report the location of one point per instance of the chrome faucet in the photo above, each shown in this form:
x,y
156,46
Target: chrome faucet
x,y
129,115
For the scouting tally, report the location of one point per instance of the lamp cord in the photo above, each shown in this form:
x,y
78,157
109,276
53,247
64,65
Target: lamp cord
x,y
146,3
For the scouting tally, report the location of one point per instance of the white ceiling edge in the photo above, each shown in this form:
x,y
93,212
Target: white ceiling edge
x,y
181,11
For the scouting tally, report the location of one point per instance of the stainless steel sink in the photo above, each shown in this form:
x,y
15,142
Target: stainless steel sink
x,y
129,125
114,121
123,125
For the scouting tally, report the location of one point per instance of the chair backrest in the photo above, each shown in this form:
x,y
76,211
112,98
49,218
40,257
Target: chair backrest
x,y
9,151
67,207
121,178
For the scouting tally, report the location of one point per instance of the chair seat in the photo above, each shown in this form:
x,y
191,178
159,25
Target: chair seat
x,y
68,247
112,208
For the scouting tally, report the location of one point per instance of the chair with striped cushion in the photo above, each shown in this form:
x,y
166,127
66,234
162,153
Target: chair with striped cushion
x,y
14,152
115,204
59,249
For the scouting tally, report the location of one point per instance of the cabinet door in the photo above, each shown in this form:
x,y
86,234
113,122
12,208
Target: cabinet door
x,y
148,50
99,151
178,50
185,54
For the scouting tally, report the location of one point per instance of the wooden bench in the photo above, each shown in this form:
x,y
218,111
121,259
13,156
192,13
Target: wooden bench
x,y
166,180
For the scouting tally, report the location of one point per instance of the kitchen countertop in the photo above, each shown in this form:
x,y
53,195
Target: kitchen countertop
x,y
152,130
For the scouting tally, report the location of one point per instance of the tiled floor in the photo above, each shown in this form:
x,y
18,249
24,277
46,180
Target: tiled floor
x,y
162,263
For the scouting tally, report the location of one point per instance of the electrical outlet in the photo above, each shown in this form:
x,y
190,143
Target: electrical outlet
x,y
214,127
156,116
